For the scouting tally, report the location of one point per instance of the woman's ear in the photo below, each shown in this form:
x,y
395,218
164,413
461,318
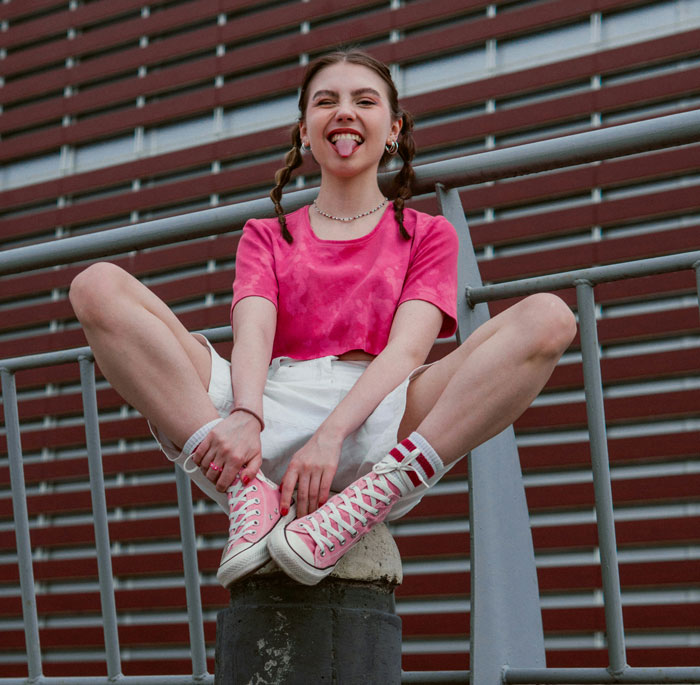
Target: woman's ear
x,y
302,131
396,127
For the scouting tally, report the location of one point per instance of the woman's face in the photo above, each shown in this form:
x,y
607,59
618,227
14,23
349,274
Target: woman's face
x,y
348,119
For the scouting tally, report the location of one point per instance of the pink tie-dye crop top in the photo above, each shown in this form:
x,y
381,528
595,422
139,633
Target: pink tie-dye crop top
x,y
333,296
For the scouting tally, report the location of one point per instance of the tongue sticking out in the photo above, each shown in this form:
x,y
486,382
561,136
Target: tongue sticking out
x,y
345,146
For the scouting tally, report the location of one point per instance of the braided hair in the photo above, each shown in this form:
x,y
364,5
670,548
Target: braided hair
x,y
400,190
292,161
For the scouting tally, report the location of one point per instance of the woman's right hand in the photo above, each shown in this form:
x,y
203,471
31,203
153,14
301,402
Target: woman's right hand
x,y
233,445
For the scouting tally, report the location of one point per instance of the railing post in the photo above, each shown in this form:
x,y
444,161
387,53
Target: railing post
x,y
19,507
191,570
99,512
607,543
469,316
696,266
506,619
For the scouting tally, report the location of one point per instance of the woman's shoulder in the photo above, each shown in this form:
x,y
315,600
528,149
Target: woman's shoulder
x,y
422,225
270,226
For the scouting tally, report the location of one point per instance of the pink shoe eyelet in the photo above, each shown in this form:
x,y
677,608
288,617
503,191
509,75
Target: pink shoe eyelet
x,y
323,553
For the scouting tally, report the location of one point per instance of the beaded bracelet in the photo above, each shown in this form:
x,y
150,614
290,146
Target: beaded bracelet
x,y
252,413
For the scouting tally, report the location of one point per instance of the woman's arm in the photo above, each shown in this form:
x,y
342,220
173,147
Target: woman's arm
x,y
311,470
253,323
236,440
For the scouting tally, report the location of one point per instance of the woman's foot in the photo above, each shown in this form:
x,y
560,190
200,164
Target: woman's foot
x,y
254,512
308,549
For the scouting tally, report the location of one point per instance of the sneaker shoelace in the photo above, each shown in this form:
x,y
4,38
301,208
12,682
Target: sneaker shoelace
x,y
243,518
360,500
385,467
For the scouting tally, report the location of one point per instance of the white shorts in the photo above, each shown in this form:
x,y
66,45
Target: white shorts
x,y
297,398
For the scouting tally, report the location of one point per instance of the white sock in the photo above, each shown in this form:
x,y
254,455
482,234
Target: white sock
x,y
428,464
198,436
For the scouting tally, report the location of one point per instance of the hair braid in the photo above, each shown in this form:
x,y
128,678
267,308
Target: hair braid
x,y
401,184
292,161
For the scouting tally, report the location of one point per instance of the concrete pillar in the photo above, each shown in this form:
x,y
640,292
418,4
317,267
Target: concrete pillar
x,y
343,630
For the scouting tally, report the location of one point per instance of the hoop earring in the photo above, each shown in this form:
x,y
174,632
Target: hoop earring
x,y
392,148
306,147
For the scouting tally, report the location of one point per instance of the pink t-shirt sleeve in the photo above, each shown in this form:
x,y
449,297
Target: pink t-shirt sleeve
x,y
255,264
432,273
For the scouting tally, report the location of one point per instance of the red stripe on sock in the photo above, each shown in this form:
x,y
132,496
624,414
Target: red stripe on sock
x,y
396,453
414,478
423,461
408,445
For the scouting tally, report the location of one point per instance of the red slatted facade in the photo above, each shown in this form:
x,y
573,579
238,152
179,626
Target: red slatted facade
x,y
79,73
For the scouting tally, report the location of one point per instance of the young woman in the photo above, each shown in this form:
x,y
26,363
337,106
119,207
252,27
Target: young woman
x,y
335,309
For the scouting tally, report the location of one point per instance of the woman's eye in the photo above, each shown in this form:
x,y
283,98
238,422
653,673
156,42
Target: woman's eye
x,y
366,102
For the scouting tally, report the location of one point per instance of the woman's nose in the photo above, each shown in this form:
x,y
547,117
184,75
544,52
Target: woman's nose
x,y
345,111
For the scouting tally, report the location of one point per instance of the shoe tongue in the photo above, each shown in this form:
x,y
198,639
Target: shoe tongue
x,y
345,146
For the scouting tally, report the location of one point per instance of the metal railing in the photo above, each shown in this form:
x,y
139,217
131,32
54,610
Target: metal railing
x,y
584,280
84,358
497,645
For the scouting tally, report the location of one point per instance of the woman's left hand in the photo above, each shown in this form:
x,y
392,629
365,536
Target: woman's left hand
x,y
311,471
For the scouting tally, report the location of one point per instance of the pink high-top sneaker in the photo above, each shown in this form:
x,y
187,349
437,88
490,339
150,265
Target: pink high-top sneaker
x,y
308,549
254,511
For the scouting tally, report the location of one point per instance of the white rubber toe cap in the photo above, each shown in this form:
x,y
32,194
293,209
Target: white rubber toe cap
x,y
298,547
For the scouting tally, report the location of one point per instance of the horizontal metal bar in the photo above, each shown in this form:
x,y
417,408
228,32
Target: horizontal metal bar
x,y
168,230
603,143
555,153
34,361
406,677
434,676
690,674
594,275
121,680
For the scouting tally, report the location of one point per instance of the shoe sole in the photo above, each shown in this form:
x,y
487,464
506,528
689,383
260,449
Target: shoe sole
x,y
252,559
291,563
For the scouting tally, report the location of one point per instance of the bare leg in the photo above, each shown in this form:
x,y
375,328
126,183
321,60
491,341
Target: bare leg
x,y
147,355
479,389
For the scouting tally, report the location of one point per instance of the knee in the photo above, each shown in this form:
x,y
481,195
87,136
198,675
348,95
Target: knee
x,y
92,289
549,322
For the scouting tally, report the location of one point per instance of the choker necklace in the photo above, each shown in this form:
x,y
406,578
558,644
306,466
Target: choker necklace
x,y
350,218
